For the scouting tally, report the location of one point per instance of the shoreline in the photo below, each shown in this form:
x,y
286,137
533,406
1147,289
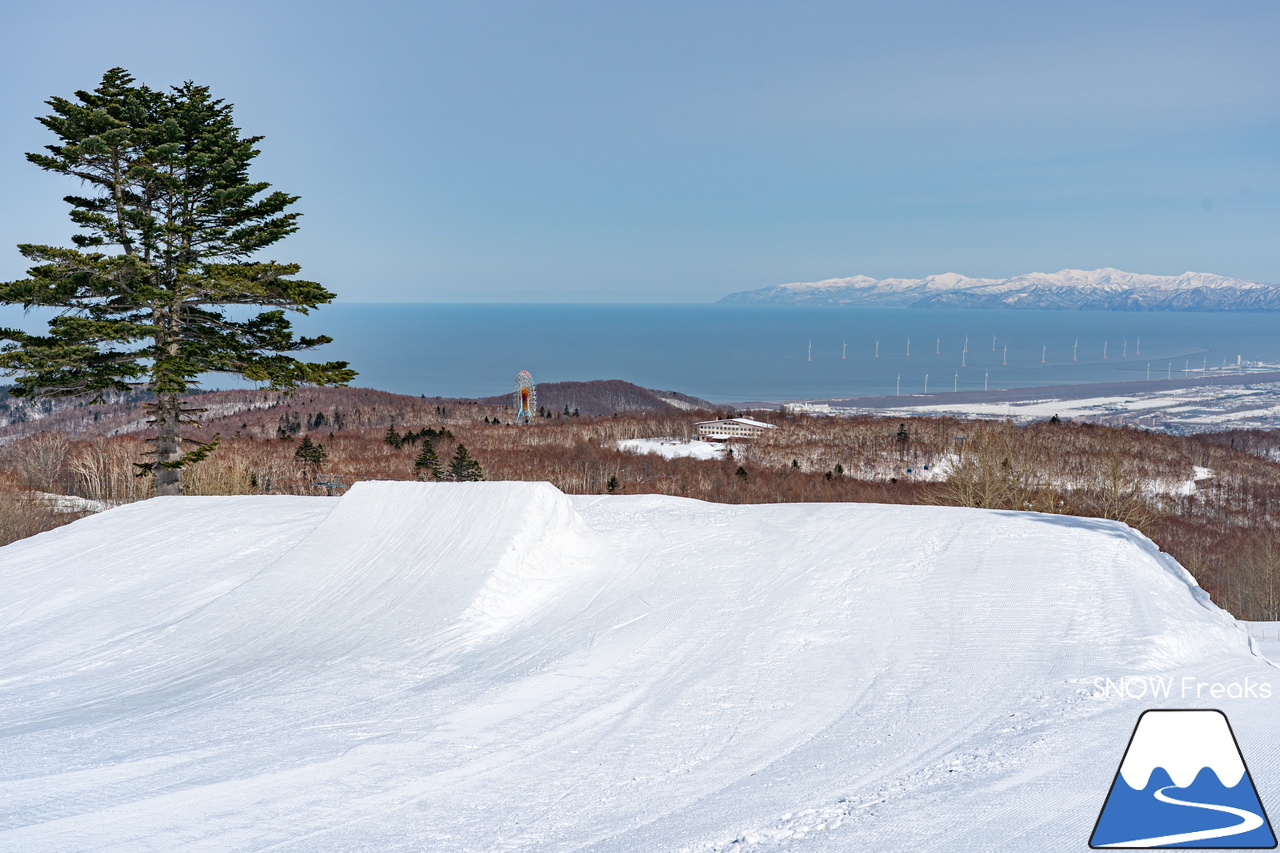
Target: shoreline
x,y
1028,394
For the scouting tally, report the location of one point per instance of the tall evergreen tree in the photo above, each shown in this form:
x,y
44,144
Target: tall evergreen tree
x,y
463,468
169,228
428,463
310,452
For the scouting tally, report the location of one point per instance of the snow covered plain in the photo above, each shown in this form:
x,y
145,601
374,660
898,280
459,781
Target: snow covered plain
x,y
500,667
1201,408
671,448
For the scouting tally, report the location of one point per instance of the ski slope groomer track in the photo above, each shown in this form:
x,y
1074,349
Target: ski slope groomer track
x,y
500,667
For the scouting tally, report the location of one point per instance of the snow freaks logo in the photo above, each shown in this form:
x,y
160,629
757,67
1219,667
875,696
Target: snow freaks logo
x,y
1183,783
1163,686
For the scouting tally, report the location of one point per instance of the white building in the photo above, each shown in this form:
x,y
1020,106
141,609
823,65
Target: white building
x,y
730,428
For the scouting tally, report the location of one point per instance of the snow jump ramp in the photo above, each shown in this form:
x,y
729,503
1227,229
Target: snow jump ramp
x,y
502,667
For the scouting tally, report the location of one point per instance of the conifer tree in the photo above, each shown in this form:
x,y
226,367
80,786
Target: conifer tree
x,y
310,452
428,463
463,468
170,226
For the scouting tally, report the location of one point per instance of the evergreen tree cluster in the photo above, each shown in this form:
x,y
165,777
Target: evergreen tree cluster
x,y
395,439
427,464
310,452
292,423
463,468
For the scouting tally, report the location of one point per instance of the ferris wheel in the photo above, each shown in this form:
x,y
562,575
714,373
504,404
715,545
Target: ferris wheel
x,y
525,398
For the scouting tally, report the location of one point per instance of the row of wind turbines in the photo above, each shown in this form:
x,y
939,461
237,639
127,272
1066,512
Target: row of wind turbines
x,y
964,353
1044,349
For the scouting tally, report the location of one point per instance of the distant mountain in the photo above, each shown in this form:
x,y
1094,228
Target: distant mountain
x,y
1105,289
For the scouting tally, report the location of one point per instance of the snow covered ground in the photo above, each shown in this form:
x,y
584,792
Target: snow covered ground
x,y
1183,410
500,667
673,448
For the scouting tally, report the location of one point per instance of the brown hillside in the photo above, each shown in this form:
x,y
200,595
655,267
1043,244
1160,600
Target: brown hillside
x,y
605,397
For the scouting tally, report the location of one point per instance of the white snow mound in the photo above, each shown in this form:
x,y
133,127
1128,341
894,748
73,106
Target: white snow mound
x,y
501,667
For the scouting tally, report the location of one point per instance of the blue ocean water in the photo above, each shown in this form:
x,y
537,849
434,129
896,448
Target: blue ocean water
x,y
727,353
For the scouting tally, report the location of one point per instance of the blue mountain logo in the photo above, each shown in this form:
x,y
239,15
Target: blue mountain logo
x,y
1183,783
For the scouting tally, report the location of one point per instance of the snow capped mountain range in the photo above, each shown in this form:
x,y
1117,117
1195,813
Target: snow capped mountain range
x,y
1102,289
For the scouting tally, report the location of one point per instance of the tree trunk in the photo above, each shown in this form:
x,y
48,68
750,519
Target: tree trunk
x,y
168,443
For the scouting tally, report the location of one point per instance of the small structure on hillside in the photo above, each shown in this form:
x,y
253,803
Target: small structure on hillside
x,y
731,428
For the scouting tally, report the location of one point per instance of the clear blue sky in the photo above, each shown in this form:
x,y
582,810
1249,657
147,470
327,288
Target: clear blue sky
x,y
677,151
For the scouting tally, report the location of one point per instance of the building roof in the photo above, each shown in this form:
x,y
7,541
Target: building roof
x,y
742,421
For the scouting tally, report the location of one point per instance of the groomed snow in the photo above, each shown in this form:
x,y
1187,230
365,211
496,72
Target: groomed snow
x,y
672,448
500,667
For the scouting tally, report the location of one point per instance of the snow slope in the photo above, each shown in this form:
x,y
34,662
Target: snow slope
x,y
673,448
501,667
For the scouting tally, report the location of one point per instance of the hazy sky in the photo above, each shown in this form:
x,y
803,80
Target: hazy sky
x,y
674,152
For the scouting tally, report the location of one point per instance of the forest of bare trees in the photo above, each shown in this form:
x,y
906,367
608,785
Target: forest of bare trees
x,y
1212,501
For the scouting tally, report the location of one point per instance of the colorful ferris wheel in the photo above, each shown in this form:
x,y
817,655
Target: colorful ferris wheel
x,y
525,398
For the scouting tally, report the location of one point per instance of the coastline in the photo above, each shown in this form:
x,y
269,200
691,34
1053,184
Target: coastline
x,y
1179,406
1030,394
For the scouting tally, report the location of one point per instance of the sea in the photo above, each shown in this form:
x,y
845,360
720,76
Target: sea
x,y
736,353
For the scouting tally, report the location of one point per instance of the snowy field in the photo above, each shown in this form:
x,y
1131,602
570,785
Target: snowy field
x,y
1194,409
490,667
670,448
